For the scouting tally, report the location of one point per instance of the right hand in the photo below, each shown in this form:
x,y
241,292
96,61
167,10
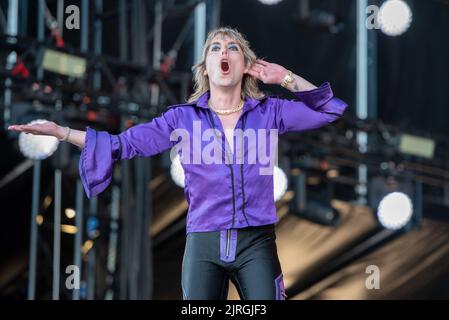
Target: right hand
x,y
48,128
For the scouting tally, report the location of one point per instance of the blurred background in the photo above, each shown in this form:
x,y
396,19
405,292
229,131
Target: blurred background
x,y
363,203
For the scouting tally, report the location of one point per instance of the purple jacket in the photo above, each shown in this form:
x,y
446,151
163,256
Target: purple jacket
x,y
220,195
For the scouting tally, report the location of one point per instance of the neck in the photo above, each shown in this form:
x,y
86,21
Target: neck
x,y
223,98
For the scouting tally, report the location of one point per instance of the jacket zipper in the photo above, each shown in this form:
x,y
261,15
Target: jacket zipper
x,y
232,172
233,191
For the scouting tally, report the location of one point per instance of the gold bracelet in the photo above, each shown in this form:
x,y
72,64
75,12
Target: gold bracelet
x,y
287,79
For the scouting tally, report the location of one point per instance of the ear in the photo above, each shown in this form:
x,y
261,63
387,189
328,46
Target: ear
x,y
248,66
205,73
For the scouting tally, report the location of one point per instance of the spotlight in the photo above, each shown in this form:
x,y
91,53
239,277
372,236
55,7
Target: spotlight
x,y
394,17
270,2
280,183
63,63
395,210
70,213
37,147
390,197
321,213
177,172
312,206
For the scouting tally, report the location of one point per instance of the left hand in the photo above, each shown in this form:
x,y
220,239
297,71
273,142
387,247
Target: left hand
x,y
268,73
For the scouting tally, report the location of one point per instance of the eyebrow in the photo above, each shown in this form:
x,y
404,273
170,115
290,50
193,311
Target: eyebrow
x,y
232,42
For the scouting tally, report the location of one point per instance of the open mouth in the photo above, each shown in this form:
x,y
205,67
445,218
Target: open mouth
x,y
224,66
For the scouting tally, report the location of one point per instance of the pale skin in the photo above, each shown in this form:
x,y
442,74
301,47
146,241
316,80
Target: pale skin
x,y
225,88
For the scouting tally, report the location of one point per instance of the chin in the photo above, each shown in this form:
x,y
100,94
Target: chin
x,y
228,82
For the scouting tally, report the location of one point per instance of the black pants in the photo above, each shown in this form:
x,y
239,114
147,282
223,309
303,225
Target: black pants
x,y
248,257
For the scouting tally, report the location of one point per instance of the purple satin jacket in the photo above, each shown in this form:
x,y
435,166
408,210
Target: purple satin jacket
x,y
220,195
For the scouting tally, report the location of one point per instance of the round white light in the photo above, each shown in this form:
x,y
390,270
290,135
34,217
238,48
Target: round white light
x,y
70,213
280,183
37,147
270,2
177,172
394,17
395,210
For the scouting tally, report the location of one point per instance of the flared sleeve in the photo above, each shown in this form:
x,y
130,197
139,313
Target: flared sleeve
x,y
102,149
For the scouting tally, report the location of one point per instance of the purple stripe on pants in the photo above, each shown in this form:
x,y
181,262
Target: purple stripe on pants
x,y
227,249
280,288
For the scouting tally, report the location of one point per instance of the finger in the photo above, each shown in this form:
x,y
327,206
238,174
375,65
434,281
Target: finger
x,y
256,68
253,73
261,66
26,128
262,62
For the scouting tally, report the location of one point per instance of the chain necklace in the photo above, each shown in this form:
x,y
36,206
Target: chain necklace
x,y
226,111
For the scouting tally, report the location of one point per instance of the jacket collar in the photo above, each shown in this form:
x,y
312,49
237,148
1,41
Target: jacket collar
x,y
201,102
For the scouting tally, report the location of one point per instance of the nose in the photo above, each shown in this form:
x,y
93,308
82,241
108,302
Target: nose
x,y
224,51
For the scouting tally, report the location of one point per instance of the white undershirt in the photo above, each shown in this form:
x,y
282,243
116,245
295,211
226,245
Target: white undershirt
x,y
229,134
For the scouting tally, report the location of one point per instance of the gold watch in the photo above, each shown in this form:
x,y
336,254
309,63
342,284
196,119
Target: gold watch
x,y
287,79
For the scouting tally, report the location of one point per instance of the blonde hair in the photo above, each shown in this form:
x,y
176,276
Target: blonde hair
x,y
201,81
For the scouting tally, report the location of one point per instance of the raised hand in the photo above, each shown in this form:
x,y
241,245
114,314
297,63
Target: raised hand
x,y
268,73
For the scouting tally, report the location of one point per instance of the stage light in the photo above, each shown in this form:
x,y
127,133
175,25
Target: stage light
x,y
321,213
67,228
63,63
280,183
47,201
417,146
394,17
395,210
270,2
177,172
70,213
39,219
87,246
37,147
391,196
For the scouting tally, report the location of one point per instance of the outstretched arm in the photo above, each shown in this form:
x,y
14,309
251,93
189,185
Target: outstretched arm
x,y
100,149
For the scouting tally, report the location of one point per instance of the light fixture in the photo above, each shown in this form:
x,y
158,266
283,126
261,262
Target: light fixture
x,y
67,228
280,183
270,2
390,197
39,219
321,212
177,172
37,147
63,63
70,213
395,210
394,17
